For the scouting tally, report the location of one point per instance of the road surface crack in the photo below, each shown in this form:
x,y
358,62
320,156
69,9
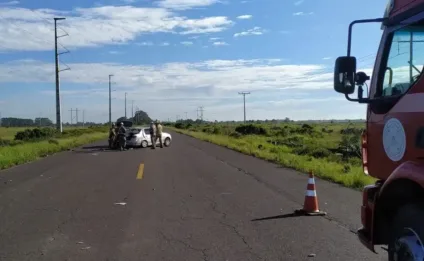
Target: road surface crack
x,y
243,238
187,245
214,207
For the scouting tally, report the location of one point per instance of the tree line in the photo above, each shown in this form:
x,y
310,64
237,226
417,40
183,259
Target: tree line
x,y
37,122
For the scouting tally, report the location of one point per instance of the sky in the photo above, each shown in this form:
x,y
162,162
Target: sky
x,y
172,56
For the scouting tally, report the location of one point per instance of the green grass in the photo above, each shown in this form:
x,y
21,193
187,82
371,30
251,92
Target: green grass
x,y
9,133
23,152
314,151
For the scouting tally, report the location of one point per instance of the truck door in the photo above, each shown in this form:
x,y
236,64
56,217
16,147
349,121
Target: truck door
x,y
397,112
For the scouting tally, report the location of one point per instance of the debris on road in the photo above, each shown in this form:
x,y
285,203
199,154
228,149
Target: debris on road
x,y
121,203
311,255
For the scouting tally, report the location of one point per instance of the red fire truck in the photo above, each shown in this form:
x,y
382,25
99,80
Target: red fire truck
x,y
392,211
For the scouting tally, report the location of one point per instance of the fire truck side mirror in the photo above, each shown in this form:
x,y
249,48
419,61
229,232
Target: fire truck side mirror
x,y
344,74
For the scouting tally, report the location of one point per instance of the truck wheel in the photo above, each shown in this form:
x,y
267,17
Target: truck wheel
x,y
406,241
167,142
144,144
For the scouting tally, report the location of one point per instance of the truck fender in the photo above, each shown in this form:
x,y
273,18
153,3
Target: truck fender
x,y
408,170
404,185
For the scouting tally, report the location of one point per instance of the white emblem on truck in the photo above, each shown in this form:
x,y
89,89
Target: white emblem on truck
x,y
394,139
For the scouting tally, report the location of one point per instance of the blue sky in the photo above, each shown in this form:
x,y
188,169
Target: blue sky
x,y
172,56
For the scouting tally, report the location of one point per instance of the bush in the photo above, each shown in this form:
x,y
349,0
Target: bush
x,y
4,143
35,134
179,125
235,135
251,129
315,152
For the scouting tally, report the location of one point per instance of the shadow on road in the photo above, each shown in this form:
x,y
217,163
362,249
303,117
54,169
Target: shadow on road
x,y
99,147
277,217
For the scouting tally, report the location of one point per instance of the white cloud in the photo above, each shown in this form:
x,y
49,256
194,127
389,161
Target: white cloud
x,y
145,44
187,43
24,29
165,44
173,88
326,58
218,74
254,31
186,4
214,38
220,43
115,52
244,17
10,3
299,2
302,13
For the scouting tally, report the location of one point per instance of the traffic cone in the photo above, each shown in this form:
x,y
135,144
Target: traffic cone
x,y
310,206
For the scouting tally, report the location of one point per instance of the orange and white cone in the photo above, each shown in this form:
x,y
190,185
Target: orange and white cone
x,y
310,206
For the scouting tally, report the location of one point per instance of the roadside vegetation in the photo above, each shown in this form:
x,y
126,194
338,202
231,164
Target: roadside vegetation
x,y
331,150
21,145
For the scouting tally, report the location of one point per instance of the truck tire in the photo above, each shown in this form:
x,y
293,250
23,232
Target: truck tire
x,y
406,240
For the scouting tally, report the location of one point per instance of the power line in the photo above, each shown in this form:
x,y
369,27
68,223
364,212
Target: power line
x,y
244,103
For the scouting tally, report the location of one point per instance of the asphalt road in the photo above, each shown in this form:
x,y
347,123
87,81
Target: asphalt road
x,y
191,201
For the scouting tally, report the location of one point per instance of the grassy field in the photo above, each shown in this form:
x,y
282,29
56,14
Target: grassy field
x,y
332,151
9,133
17,151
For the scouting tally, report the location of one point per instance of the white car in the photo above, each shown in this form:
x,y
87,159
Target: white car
x,y
140,137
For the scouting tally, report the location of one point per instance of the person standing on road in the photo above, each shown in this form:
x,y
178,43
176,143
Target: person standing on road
x,y
159,132
153,134
121,134
112,134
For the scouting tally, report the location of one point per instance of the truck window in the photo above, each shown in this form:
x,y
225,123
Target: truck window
x,y
147,131
405,61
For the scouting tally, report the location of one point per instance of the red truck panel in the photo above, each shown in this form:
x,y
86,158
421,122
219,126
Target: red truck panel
x,y
404,5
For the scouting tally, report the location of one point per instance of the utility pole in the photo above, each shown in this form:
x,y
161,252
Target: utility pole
x,y
72,115
186,115
110,100
201,110
76,112
244,103
83,118
132,109
58,105
125,105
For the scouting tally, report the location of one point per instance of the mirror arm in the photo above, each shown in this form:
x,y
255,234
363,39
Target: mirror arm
x,y
349,37
360,100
